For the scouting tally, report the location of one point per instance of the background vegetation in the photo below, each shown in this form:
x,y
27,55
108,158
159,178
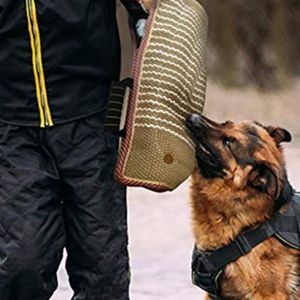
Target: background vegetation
x,y
253,42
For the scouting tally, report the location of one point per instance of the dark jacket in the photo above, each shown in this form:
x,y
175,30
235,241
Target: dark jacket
x,y
57,58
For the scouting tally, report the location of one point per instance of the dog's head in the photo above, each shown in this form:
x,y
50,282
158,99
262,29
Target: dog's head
x,y
245,156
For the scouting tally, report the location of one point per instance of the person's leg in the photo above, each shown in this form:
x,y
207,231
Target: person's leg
x,y
95,212
31,223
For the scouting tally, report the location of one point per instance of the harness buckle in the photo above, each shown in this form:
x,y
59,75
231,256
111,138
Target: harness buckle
x,y
242,244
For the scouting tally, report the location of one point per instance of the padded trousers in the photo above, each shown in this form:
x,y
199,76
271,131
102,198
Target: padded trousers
x,y
57,191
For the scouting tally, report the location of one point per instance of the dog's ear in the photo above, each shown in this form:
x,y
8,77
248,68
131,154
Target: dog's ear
x,y
279,134
265,180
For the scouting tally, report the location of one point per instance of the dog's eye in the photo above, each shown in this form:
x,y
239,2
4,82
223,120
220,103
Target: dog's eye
x,y
227,141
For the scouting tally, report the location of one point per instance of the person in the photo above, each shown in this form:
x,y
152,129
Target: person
x,y
57,61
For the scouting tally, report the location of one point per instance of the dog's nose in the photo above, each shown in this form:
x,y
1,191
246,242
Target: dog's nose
x,y
190,121
193,121
194,118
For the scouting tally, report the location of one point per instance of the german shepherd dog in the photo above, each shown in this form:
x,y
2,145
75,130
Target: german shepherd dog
x,y
240,183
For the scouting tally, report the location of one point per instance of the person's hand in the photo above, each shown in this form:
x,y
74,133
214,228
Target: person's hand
x,y
140,27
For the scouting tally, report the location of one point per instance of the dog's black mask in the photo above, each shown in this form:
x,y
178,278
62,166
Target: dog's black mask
x,y
209,158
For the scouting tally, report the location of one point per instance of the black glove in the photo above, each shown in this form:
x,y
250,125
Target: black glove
x,y
138,17
135,10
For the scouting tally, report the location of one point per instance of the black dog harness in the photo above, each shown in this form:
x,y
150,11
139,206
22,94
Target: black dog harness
x,y
208,267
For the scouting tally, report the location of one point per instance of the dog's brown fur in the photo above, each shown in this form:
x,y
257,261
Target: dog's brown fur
x,y
241,198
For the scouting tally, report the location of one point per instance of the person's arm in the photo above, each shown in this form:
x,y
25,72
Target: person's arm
x,y
138,13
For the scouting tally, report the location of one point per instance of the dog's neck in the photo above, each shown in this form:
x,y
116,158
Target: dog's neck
x,y
221,213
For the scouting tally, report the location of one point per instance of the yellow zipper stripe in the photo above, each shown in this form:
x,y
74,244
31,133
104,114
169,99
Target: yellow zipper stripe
x,y
35,72
42,75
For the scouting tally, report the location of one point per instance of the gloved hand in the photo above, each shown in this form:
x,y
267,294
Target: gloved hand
x,y
138,11
140,27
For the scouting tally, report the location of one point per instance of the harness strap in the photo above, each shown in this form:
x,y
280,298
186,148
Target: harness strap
x,y
286,223
243,244
208,267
